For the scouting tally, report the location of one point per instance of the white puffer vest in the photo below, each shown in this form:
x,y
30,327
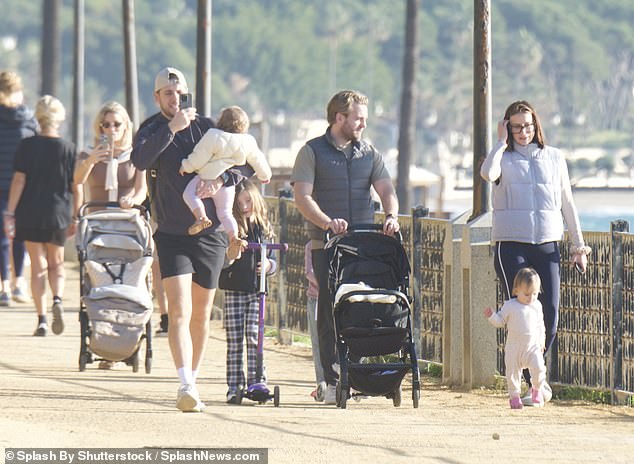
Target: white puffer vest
x,y
527,200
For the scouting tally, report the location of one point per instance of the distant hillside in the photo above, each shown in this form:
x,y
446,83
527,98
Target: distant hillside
x,y
574,59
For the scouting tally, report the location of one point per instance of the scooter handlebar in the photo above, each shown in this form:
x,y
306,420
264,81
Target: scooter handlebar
x,y
269,246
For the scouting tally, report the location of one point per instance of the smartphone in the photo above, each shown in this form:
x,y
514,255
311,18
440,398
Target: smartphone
x,y
186,100
579,269
103,140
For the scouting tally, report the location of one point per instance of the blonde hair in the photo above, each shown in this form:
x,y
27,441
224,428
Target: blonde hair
x,y
527,277
260,213
49,112
10,89
342,102
233,119
115,108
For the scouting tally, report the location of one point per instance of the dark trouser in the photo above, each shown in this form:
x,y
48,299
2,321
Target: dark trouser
x,y
510,257
325,319
7,248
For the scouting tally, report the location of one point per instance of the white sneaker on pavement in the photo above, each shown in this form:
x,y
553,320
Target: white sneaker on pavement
x,y
20,295
527,400
187,398
331,395
547,392
320,393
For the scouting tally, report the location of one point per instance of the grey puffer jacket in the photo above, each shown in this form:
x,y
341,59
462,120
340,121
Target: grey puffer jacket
x,y
531,191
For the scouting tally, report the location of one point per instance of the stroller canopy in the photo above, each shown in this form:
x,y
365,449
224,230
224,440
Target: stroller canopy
x,y
373,258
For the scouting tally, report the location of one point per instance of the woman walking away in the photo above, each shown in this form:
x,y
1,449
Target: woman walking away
x,y
40,207
16,123
240,282
531,193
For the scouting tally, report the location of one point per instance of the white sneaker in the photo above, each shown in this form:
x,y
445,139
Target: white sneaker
x,y
320,393
187,398
527,400
200,407
20,295
330,397
547,392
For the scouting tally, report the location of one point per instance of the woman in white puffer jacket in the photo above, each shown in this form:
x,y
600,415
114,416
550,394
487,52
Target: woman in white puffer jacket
x,y
531,199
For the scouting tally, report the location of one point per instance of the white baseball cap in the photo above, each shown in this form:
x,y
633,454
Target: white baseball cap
x,y
168,76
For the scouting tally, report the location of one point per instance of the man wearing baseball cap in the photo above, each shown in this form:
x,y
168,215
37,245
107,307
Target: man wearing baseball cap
x,y
190,264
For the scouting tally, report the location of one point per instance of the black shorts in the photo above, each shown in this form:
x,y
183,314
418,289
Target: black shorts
x,y
54,236
200,255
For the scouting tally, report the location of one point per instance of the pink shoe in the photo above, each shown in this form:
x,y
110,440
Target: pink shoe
x,y
516,403
537,397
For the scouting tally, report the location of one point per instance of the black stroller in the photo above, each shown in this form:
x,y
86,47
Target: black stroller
x,y
369,283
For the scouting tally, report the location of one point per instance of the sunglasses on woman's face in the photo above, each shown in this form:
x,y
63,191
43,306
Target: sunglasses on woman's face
x,y
107,124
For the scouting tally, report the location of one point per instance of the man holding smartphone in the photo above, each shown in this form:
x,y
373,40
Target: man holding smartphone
x,y
190,264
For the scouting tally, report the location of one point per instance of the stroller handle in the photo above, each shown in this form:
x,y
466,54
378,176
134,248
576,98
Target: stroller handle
x,y
106,204
372,227
270,246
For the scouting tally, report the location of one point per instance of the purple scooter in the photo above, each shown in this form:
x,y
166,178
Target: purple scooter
x,y
259,391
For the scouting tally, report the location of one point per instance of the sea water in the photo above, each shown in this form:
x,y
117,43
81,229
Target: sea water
x,y
600,221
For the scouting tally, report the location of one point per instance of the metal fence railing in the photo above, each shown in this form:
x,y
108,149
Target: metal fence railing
x,y
595,344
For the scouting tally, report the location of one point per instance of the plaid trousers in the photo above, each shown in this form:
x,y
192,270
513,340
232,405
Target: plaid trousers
x,y
241,321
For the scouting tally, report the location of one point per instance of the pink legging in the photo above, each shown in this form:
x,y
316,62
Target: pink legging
x,y
223,199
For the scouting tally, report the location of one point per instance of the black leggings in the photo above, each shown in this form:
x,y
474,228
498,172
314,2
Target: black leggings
x,y
510,257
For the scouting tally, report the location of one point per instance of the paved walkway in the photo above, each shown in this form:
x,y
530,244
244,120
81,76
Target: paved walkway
x,y
46,402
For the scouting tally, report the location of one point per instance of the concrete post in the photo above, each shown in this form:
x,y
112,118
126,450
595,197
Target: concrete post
x,y
478,287
452,319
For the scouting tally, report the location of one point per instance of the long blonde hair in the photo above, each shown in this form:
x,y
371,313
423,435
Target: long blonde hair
x,y
260,213
116,108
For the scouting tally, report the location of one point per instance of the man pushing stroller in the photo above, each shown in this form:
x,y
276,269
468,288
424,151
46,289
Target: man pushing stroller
x,y
324,169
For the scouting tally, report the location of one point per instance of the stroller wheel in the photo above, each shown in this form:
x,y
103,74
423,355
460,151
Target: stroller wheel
x,y
83,360
135,362
415,397
396,398
276,396
148,365
342,396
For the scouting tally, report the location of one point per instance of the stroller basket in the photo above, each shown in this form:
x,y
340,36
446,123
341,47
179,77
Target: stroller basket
x,y
378,382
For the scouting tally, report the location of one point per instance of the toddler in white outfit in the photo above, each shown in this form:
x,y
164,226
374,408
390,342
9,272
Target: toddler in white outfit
x,y
218,150
526,336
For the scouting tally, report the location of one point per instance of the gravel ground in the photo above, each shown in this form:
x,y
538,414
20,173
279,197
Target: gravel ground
x,y
46,402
